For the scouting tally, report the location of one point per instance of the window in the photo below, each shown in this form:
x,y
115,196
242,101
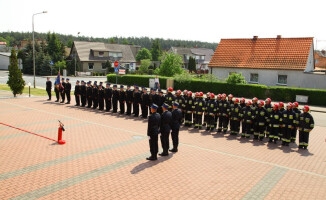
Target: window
x,y
254,78
197,57
203,57
282,79
115,54
100,54
90,66
119,55
103,66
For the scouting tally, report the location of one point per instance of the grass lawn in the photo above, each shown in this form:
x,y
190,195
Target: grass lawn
x,y
34,91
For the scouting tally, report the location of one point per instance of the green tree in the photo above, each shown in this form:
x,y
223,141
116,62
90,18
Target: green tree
x,y
109,68
144,65
236,78
55,47
171,64
192,64
69,43
15,79
60,65
143,54
125,41
43,66
112,41
156,50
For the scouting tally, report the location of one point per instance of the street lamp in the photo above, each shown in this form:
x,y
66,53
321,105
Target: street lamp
x,y
76,56
34,42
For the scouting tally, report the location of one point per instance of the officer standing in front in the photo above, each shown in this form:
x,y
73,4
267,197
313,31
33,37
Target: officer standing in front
x,y
115,98
89,93
101,97
83,94
165,129
62,90
153,130
77,93
95,95
122,99
48,87
68,90
175,126
129,100
108,97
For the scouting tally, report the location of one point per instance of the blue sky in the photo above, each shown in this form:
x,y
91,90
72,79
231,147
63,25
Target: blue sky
x,y
205,20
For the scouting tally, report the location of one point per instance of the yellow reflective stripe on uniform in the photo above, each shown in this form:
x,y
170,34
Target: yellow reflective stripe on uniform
x,y
276,125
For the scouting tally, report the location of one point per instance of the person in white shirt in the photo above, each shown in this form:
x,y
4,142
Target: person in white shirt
x,y
157,82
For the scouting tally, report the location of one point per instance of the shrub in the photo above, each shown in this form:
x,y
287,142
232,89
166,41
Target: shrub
x,y
140,80
236,78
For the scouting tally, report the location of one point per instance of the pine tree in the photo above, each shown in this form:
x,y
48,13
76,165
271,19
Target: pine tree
x,y
15,79
156,50
192,64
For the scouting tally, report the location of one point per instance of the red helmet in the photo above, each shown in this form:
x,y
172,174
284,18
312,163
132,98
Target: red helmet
x,y
306,108
170,89
254,99
196,94
212,95
268,100
230,96
179,91
275,106
185,91
281,104
289,104
189,93
201,94
236,100
248,102
219,96
223,95
261,103
296,104
242,100
208,93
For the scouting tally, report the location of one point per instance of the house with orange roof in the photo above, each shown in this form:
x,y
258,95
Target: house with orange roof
x,y
269,61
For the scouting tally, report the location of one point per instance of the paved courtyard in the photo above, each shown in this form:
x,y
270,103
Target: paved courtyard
x,y
104,158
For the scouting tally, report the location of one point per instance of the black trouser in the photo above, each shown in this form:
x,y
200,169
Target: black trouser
x,y
95,102
223,121
210,121
136,109
57,93
268,130
128,107
243,130
144,111
261,130
77,100
234,126
49,93
205,119
153,145
165,142
89,101
303,138
115,105
249,129
188,118
287,135
101,104
183,116
68,96
175,137
198,120
294,134
215,121
62,96
282,131
83,100
274,134
108,104
122,107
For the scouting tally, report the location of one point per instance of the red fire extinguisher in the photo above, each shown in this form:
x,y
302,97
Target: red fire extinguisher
x,y
60,129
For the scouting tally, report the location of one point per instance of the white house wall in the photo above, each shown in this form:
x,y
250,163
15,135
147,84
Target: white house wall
x,y
310,62
270,77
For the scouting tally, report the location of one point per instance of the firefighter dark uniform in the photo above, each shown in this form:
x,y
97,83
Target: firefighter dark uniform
x,y
275,121
184,96
89,93
169,98
144,104
161,100
235,117
49,88
165,130
56,90
62,90
248,117
108,97
243,124
122,99
179,98
175,126
95,96
153,130
115,98
224,109
68,90
83,94
101,98
261,116
297,115
77,93
218,99
282,125
289,120
207,99
189,102
269,109
231,104
211,112
306,124
150,99
199,111
136,102
129,100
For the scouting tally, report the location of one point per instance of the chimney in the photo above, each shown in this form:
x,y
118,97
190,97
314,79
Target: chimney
x,y
255,38
279,37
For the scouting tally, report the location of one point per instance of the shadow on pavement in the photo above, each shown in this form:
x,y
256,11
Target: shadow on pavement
x,y
149,164
304,152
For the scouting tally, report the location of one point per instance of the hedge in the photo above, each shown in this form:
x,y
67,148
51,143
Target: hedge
x,y
286,94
